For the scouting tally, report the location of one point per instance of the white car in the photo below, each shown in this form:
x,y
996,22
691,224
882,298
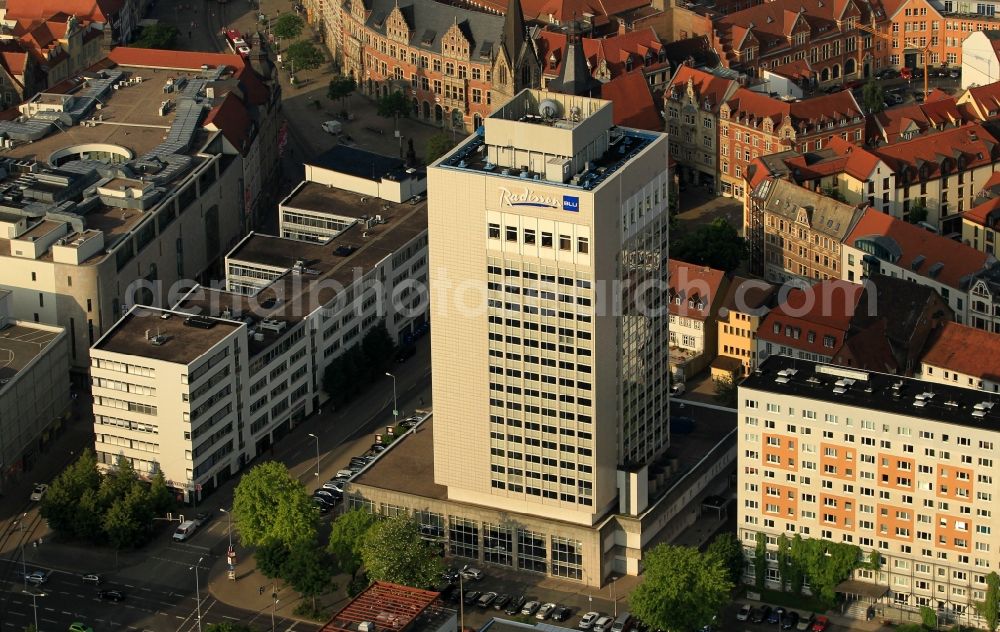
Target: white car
x,y
468,572
91,578
587,620
335,485
545,611
603,624
37,577
744,612
333,127
39,491
345,474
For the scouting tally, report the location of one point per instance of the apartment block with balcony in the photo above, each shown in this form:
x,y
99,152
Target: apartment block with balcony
x,y
890,464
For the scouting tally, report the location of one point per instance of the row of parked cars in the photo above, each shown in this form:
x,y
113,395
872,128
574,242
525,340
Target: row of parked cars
x,y
787,619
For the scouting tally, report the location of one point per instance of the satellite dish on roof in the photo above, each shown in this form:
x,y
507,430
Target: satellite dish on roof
x,y
548,108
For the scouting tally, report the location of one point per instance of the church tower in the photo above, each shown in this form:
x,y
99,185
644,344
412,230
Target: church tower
x,y
516,65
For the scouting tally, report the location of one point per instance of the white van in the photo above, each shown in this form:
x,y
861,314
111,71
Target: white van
x,y
185,531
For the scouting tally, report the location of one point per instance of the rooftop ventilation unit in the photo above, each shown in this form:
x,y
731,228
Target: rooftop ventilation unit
x,y
200,322
919,403
782,379
984,406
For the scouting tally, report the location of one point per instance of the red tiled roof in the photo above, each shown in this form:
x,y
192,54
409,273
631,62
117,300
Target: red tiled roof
x,y
255,89
706,86
633,101
952,349
806,115
985,213
920,250
776,20
971,142
232,118
613,50
694,285
566,10
986,99
992,182
919,117
868,349
798,69
808,316
93,10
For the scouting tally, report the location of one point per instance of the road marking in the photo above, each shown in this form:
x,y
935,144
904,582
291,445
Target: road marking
x,y
129,586
52,620
20,614
51,609
226,616
66,612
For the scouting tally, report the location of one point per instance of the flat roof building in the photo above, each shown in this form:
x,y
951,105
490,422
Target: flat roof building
x,y
119,182
34,388
890,464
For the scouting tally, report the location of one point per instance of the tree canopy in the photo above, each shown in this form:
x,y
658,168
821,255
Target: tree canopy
x,y
270,504
873,97
355,369
437,146
727,549
227,627
158,35
989,608
682,589
116,507
309,571
393,105
341,87
304,55
717,245
288,26
393,551
346,535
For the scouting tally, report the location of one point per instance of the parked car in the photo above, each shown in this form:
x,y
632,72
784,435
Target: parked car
x,y
530,608
38,492
203,518
501,601
805,622
334,485
345,474
775,616
744,612
37,577
544,612
450,575
111,595
515,605
321,506
471,596
378,448
91,578
820,624
955,73
469,572
760,615
789,620
328,493
409,422
486,599
561,613
333,127
587,620
603,624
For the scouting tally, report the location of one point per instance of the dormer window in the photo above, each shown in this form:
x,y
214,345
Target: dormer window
x,y
552,61
649,58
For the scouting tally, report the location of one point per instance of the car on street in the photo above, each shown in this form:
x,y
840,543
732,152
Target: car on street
x,y
91,578
471,596
37,577
203,518
760,615
805,622
470,572
38,492
587,620
544,612
337,486
515,605
820,624
789,620
450,575
345,474
744,612
76,626
530,608
561,613
111,595
501,601
775,616
486,599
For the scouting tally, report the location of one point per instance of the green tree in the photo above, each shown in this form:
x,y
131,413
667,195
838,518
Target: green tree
x,y
270,556
61,504
127,521
341,87
117,482
378,347
288,26
727,549
760,560
717,245
89,525
989,608
874,560
437,145
682,589
160,35
227,627
918,213
269,503
346,535
393,105
393,551
797,577
303,55
784,559
826,564
873,97
928,618
725,391
309,571
161,500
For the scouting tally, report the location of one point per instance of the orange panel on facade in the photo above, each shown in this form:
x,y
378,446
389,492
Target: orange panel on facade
x,y
952,533
780,500
895,472
837,461
837,511
954,483
780,451
895,522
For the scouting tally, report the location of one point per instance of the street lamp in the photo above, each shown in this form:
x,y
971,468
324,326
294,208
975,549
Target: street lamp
x,y
317,452
24,565
614,594
197,588
34,604
395,407
229,526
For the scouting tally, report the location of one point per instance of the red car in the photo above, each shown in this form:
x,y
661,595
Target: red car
x,y
820,624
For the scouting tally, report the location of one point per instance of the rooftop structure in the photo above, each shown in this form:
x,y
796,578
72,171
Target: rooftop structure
x,y
960,351
165,336
392,607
